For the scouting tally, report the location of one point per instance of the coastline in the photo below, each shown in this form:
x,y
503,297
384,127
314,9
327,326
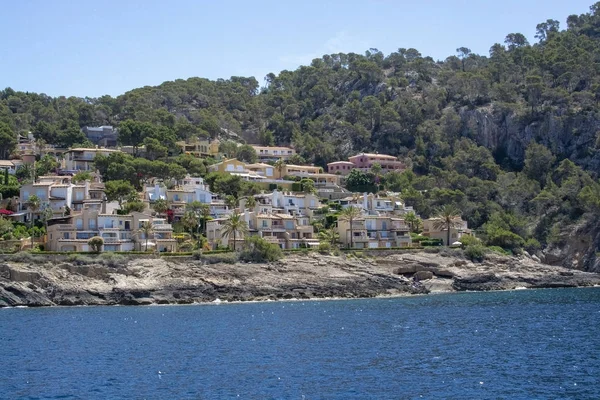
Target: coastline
x,y
47,281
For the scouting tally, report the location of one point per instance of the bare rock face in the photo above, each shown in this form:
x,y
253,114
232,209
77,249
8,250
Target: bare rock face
x,y
142,281
577,248
423,275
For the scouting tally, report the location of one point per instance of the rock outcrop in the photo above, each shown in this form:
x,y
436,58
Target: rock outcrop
x,y
184,281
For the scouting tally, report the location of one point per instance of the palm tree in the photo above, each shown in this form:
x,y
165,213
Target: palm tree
x,y
280,164
234,225
350,214
205,214
34,205
447,217
330,235
250,202
231,201
190,221
412,220
147,229
161,206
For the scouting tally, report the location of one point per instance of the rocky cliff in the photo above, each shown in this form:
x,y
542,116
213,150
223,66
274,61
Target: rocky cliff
x,y
507,134
50,282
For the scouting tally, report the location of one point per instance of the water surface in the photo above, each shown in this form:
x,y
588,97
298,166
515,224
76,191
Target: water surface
x,y
518,344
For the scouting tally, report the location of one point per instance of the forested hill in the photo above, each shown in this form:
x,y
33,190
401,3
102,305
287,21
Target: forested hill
x,y
511,137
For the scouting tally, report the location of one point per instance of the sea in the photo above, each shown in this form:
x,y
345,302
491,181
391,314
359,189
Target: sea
x,y
523,344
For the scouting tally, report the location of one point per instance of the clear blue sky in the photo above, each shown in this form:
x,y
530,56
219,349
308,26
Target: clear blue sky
x,y
90,48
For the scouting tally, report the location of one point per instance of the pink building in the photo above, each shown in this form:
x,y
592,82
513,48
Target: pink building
x,y
364,162
343,167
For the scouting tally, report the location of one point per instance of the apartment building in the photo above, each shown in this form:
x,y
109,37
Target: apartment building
x,y
60,194
371,231
434,229
82,159
188,190
273,153
285,230
376,204
364,162
294,203
308,171
120,232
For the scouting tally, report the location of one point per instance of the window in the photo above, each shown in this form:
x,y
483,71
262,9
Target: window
x,y
264,223
79,223
92,223
66,235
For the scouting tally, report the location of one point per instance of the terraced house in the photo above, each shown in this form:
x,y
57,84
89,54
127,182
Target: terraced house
x,y
371,231
59,194
120,232
285,230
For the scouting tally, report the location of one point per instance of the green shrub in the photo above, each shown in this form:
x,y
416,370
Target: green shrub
x,y
499,250
416,237
259,250
26,257
475,252
468,240
96,244
226,258
324,247
80,259
112,260
532,245
431,242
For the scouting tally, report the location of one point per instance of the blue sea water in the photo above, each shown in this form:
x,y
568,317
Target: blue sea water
x,y
529,344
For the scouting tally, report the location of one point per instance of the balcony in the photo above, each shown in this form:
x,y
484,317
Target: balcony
x,y
109,228
65,227
83,157
163,227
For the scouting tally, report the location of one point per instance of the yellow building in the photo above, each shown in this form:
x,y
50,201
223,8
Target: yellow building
x,y
229,165
200,147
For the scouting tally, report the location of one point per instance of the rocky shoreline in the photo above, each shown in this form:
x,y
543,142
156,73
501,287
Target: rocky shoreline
x,y
48,281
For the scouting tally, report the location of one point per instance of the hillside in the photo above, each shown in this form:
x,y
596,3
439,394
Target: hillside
x,y
511,138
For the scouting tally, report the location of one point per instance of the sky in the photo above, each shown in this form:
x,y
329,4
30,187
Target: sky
x,y
92,48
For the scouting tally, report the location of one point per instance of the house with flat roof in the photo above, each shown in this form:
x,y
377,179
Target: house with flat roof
x,y
434,228
200,147
364,162
372,231
82,159
105,136
285,230
119,232
59,194
273,153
